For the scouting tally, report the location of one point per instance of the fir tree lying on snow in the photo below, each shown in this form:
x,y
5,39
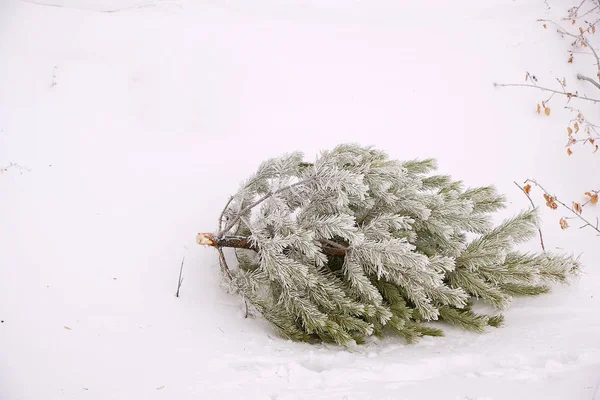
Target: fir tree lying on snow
x,y
355,244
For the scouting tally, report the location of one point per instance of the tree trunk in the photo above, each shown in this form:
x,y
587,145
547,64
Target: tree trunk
x,y
328,247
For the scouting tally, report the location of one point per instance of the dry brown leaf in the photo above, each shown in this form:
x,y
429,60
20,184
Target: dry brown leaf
x,y
581,32
573,22
570,61
569,151
547,110
550,202
577,207
593,197
564,82
593,28
569,131
563,223
576,126
539,108
545,26
527,188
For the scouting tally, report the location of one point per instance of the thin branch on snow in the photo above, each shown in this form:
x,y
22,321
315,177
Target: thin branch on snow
x,y
180,280
533,205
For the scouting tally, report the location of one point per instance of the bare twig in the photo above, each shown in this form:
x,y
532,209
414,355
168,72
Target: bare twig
x,y
227,272
533,205
581,37
223,264
585,126
234,220
590,80
578,215
568,94
16,166
107,11
223,212
590,199
574,12
180,280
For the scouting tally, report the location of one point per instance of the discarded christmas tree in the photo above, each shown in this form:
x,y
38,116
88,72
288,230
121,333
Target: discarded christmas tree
x,y
355,244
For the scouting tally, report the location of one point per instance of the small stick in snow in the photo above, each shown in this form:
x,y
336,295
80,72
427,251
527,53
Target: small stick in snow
x,y
180,280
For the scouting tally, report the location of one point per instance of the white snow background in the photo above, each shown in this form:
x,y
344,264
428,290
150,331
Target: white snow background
x,y
134,122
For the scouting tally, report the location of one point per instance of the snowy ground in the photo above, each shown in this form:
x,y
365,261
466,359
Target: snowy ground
x,y
133,122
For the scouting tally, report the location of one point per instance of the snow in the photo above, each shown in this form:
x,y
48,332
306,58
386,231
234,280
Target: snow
x,y
133,121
